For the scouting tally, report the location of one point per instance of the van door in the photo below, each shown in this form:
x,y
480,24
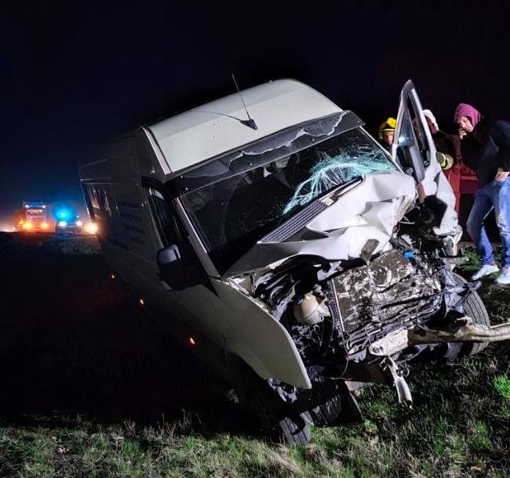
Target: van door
x,y
187,310
413,147
414,150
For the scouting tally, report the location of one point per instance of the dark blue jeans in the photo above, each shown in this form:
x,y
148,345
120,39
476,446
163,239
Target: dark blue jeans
x,y
494,195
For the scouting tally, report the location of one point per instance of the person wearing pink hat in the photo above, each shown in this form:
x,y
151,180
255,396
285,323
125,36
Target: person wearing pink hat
x,y
485,149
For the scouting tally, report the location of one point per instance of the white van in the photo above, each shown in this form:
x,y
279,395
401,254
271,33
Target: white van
x,y
286,247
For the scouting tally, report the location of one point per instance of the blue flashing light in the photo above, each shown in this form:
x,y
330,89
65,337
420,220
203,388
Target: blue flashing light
x,y
63,214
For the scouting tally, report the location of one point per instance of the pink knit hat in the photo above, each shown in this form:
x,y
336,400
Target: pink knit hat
x,y
464,109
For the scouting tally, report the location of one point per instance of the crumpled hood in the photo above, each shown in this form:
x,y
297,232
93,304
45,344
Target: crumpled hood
x,y
369,211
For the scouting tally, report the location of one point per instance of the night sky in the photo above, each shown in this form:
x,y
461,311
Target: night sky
x,y
76,73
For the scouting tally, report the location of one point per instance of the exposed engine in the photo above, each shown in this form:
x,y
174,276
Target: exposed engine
x,y
335,311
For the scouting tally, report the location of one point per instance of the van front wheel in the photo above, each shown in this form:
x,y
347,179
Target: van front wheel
x,y
476,310
273,413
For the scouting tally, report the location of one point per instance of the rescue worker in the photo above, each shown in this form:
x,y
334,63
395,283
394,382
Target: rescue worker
x,y
448,155
485,146
445,144
387,132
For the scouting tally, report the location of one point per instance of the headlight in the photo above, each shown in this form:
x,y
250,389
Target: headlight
x,y
44,225
79,223
91,228
62,224
27,225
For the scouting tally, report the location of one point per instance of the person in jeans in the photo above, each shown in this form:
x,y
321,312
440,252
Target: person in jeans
x,y
485,146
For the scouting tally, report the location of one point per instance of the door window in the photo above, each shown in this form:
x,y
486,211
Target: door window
x,y
163,216
413,146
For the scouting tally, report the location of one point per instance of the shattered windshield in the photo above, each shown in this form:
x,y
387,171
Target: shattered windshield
x,y
232,214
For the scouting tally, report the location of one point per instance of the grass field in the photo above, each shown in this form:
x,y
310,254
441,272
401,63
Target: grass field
x,y
89,389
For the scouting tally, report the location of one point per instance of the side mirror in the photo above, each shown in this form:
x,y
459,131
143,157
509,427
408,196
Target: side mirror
x,y
171,268
176,271
168,255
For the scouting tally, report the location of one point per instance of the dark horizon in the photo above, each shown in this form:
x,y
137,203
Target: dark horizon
x,y
77,75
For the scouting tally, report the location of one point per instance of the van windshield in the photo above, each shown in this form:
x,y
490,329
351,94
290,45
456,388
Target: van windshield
x,y
232,214
36,212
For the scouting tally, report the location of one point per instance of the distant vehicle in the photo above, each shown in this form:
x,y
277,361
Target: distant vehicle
x,y
34,217
288,249
67,221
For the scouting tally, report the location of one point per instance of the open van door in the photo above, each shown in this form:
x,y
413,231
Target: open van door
x,y
413,147
414,151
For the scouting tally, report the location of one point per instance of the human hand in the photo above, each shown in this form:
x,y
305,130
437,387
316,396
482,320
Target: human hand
x,y
501,175
462,133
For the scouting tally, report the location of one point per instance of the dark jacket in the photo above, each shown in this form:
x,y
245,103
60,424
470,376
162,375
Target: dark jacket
x,y
486,149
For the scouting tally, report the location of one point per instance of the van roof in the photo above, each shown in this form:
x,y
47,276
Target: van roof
x,y
201,133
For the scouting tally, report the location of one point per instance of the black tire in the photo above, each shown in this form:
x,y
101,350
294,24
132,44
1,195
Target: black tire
x,y
328,412
341,409
474,308
273,414
295,431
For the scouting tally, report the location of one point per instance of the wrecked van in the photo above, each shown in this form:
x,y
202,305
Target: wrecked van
x,y
273,235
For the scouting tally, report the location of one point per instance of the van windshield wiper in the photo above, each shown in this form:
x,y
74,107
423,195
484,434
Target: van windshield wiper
x,y
294,224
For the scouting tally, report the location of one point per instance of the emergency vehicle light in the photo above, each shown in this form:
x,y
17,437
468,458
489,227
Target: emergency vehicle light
x,y
63,214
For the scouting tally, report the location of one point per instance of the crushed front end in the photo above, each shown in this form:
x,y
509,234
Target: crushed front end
x,y
351,320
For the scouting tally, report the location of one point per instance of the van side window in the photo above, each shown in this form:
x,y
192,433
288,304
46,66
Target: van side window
x,y
93,196
104,204
88,200
164,217
99,199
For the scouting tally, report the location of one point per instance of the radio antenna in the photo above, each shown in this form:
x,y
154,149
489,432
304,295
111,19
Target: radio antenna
x,y
249,122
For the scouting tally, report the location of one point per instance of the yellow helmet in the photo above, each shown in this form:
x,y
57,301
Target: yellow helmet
x,y
388,125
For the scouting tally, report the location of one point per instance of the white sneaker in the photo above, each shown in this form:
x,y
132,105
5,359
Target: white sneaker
x,y
504,277
485,271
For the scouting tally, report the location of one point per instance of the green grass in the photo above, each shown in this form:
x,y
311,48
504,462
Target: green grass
x,y
502,385
455,429
473,263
